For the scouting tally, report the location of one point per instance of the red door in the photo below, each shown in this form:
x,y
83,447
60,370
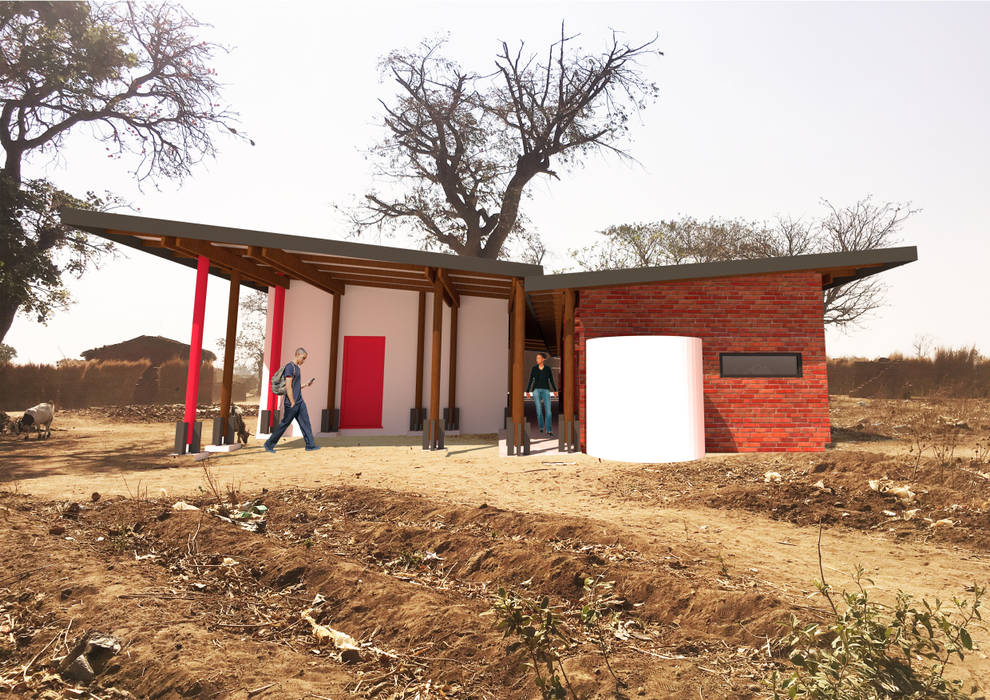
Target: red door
x,y
362,381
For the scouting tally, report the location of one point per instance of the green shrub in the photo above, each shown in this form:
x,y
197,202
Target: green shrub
x,y
870,651
539,629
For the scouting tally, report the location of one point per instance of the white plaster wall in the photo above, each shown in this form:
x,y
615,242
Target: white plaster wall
x,y
482,359
482,352
391,313
266,372
306,323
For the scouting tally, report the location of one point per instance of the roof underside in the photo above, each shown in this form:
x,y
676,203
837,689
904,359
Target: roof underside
x,y
545,291
272,259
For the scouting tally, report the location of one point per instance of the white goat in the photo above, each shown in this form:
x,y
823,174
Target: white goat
x,y
36,418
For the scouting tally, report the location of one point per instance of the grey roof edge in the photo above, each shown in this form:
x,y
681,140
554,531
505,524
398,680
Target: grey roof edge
x,y
101,222
881,258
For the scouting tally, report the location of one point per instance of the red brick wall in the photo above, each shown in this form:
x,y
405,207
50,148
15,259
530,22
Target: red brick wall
x,y
762,313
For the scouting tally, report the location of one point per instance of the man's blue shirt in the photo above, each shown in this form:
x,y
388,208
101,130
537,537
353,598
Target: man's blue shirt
x,y
292,370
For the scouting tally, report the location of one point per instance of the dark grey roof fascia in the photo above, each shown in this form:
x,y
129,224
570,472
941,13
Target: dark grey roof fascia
x,y
877,260
100,222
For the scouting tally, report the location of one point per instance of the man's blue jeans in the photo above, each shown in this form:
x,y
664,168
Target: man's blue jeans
x,y
297,412
544,416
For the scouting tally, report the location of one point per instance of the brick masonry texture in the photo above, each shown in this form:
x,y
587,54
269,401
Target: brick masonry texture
x,y
763,313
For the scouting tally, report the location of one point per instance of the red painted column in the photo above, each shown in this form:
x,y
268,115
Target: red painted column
x,y
275,349
196,344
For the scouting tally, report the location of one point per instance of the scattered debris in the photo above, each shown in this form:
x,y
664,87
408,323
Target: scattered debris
x,y
182,505
249,516
89,657
350,651
772,477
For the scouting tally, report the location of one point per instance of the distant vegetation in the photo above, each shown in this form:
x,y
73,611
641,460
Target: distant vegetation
x,y
945,373
81,383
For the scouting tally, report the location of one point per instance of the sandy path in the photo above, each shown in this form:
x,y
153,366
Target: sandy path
x,y
129,460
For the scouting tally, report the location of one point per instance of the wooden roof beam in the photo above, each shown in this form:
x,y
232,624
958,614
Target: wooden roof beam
x,y
291,264
436,277
225,259
448,286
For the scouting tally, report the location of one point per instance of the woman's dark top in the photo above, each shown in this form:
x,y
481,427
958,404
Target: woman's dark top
x,y
542,378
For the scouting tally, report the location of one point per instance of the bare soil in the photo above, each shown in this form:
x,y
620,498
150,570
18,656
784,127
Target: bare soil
x,y
404,549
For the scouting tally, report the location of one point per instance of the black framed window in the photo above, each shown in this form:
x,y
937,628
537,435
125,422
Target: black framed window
x,y
760,364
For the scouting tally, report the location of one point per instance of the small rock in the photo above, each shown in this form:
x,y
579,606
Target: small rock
x,y
95,496
474,563
772,477
56,529
79,670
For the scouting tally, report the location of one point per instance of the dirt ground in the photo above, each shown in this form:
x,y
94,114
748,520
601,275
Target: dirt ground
x,y
404,549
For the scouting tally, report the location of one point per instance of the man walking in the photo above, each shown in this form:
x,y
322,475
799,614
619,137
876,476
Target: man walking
x,y
540,381
295,407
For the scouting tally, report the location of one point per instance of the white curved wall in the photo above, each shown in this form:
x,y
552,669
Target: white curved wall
x,y
644,397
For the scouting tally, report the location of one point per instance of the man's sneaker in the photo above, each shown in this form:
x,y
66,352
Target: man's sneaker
x,y
269,448
313,448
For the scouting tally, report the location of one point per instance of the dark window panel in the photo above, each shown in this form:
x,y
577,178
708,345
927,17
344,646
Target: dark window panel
x,y
747,364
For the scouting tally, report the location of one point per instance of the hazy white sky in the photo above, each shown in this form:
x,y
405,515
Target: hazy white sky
x,y
764,109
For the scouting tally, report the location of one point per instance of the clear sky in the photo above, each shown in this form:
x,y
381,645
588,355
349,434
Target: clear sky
x,y
764,109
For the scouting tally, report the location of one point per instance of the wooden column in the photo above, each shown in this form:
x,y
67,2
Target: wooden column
x,y
452,365
433,426
508,366
229,348
329,424
518,344
420,352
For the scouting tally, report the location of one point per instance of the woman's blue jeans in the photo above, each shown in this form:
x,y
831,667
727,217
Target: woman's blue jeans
x,y
544,415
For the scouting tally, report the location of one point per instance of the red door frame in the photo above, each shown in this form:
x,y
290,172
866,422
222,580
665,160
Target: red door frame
x,y
362,381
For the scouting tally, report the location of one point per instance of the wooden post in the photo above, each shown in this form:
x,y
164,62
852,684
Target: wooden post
x,y
196,346
420,352
518,341
508,366
452,365
568,380
435,342
229,346
331,425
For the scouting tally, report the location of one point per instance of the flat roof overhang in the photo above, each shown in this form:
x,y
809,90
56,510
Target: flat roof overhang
x,y
836,269
267,259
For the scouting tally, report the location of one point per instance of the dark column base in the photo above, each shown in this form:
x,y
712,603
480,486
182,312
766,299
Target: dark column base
x,y
569,436
181,430
417,417
452,418
517,440
433,435
218,431
269,420
330,421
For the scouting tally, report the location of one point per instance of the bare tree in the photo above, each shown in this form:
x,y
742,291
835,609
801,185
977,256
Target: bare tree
x,y
138,76
461,147
923,345
861,226
249,352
